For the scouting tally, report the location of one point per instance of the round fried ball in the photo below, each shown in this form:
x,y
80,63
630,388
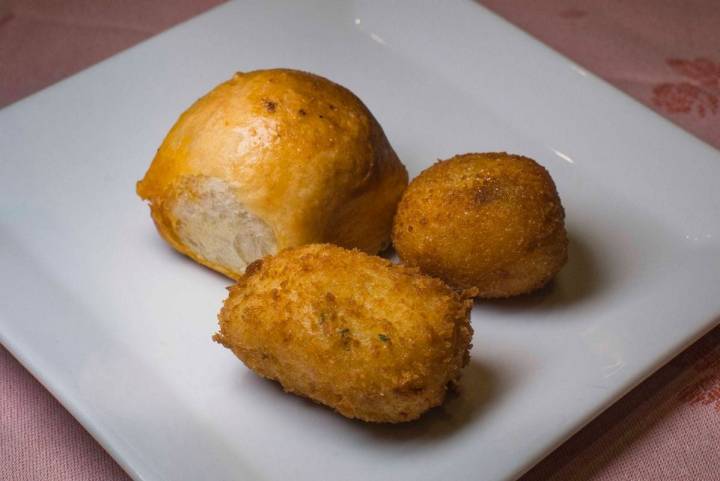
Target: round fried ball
x,y
491,221
373,340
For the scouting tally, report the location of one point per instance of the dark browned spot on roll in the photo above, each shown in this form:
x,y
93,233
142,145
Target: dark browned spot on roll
x,y
270,106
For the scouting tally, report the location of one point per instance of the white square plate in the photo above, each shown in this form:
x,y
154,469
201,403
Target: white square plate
x,y
118,326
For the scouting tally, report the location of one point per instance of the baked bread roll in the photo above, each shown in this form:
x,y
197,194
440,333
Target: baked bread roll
x,y
272,159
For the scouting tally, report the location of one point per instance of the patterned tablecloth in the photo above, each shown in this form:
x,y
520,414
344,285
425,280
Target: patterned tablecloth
x,y
665,53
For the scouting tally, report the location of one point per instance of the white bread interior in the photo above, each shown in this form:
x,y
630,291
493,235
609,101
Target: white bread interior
x,y
217,226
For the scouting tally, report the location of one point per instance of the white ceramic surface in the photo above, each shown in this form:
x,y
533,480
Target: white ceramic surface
x,y
118,326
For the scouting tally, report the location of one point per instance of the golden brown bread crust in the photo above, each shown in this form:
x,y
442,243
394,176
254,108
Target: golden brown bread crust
x,y
492,221
373,340
301,153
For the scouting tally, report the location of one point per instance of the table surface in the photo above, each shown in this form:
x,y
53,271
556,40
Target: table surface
x,y
664,53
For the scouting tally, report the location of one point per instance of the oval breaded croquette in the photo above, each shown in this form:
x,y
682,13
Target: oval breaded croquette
x,y
371,339
489,221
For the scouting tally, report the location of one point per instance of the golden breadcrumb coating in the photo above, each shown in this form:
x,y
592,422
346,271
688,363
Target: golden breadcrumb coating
x,y
373,340
491,221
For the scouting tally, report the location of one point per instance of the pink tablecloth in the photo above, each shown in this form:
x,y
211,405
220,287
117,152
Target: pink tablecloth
x,y
665,53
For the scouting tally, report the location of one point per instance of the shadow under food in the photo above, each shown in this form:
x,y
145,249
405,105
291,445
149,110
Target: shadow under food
x,y
477,390
579,280
185,259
